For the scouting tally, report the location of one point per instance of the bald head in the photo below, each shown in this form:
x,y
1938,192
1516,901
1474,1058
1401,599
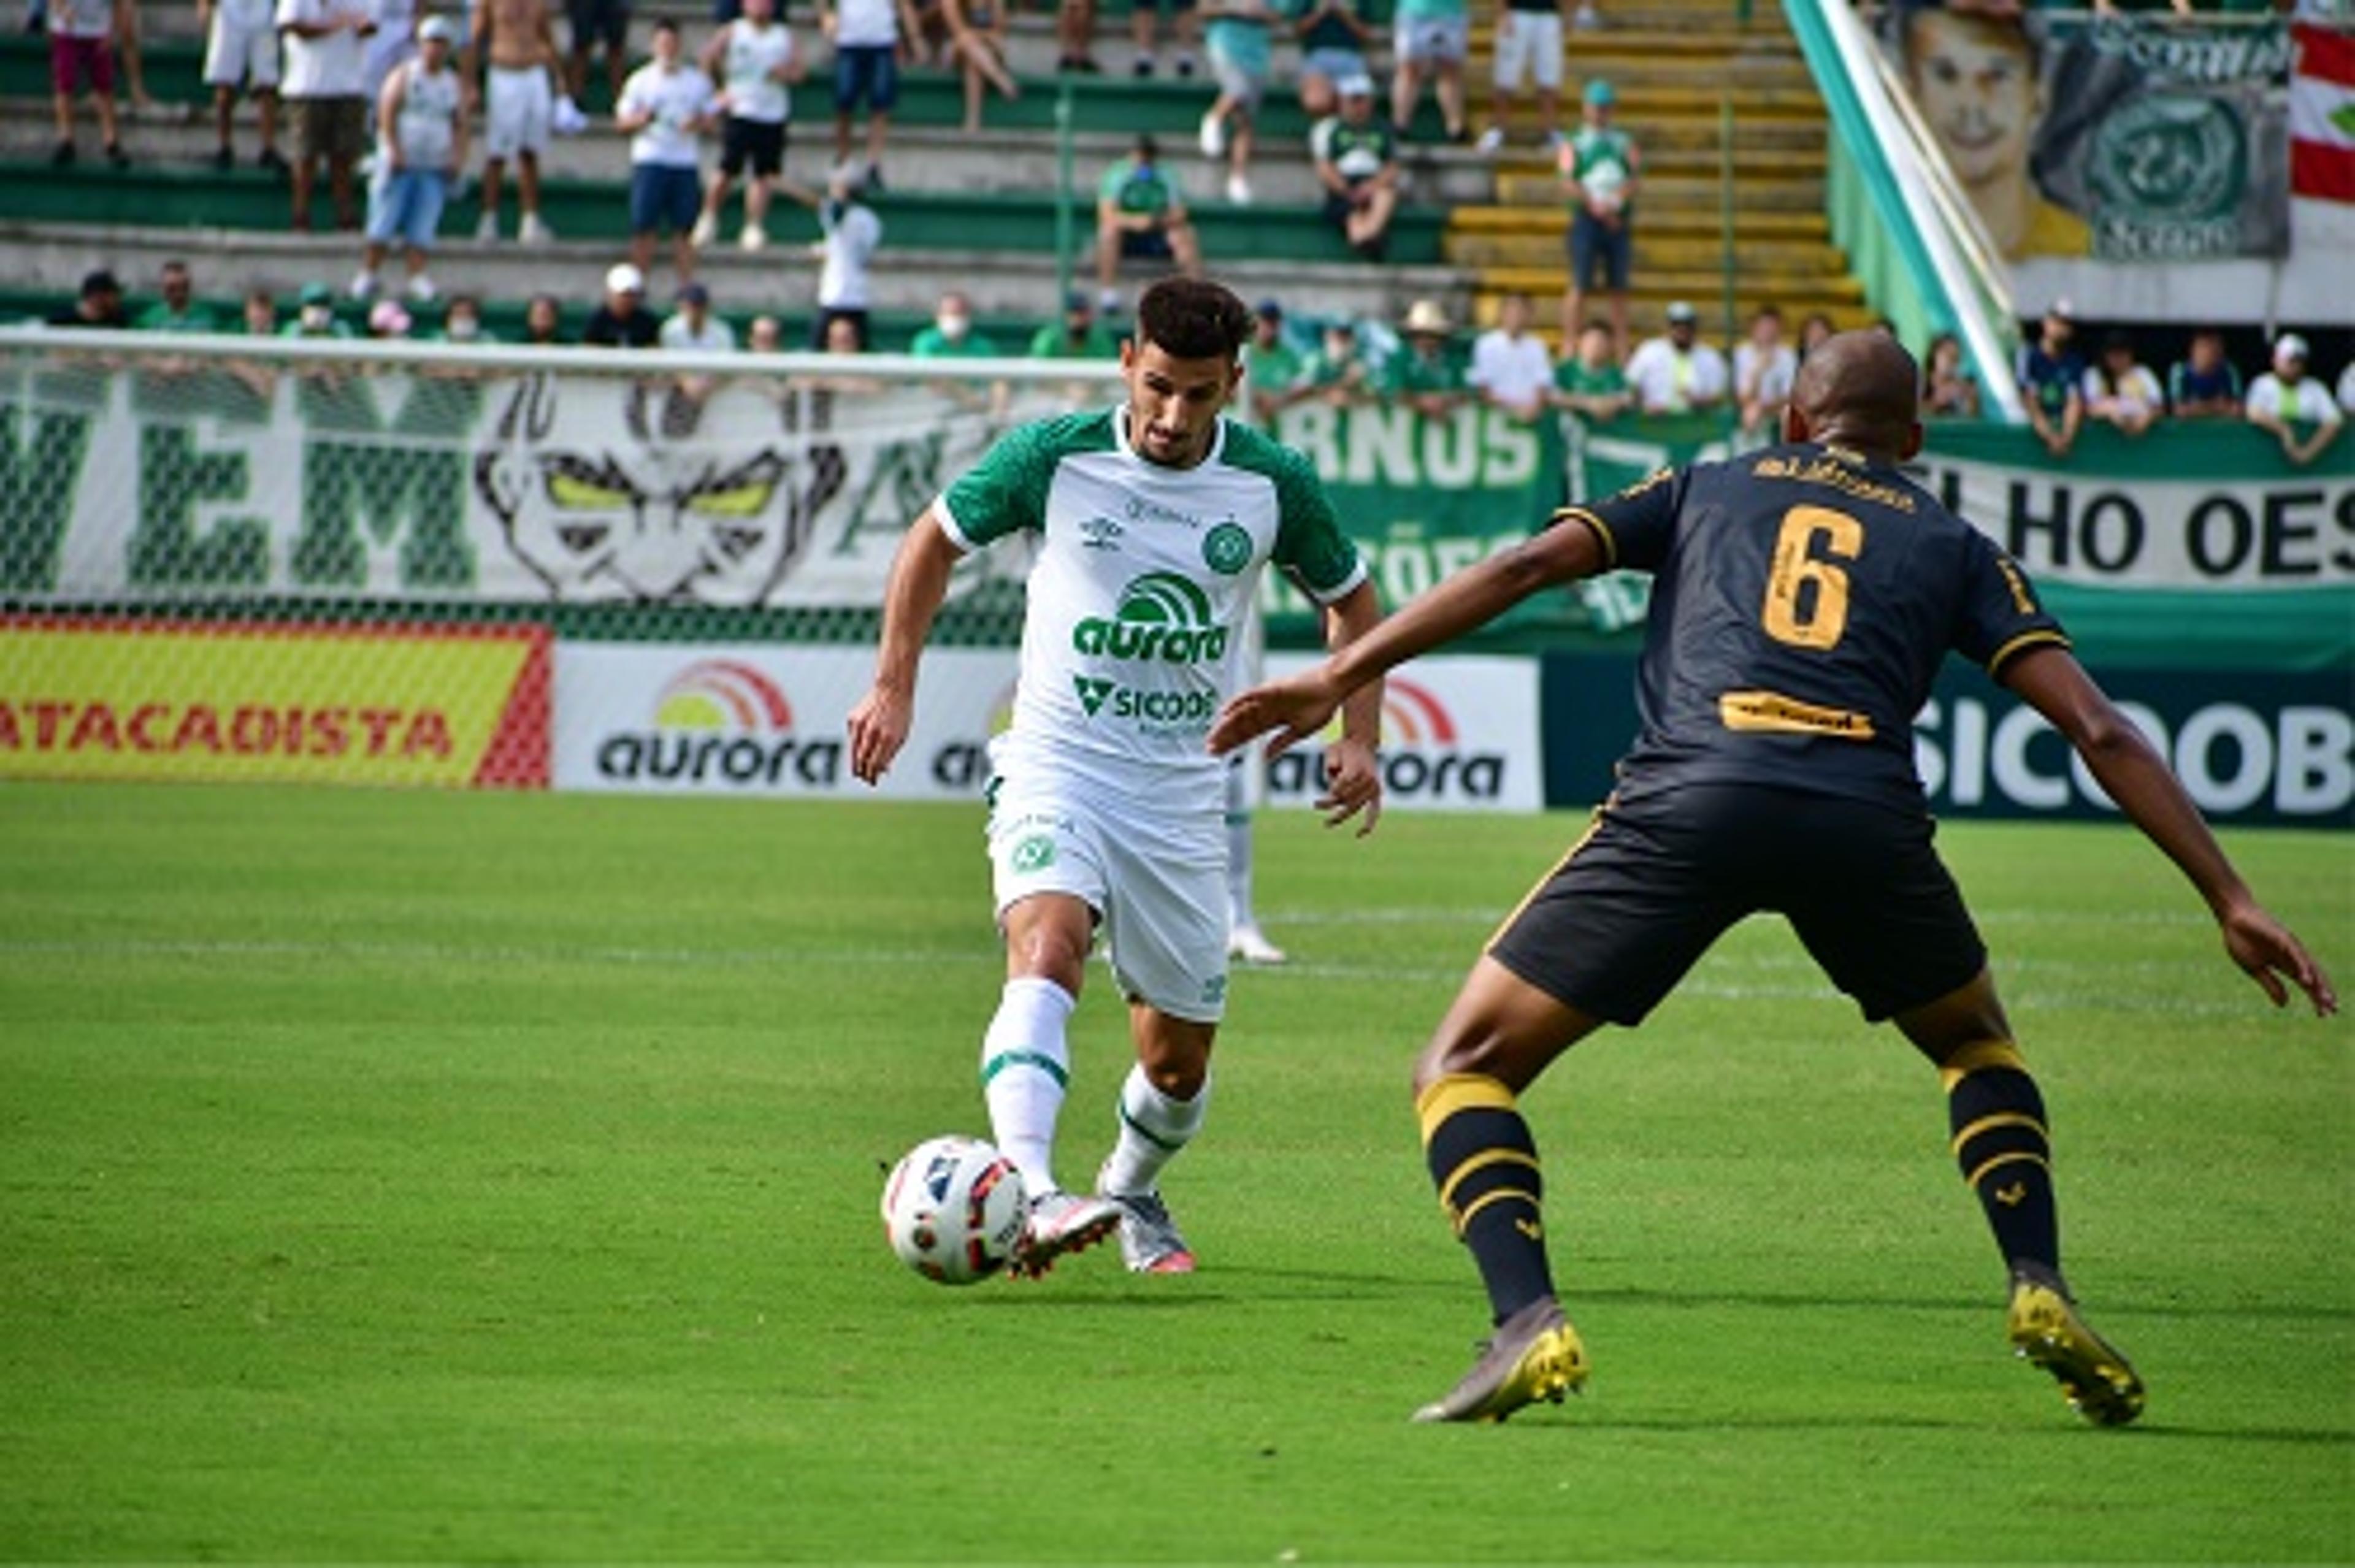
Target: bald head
x,y
1858,389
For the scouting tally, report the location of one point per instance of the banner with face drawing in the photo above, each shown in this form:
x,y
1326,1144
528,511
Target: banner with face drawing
x,y
173,483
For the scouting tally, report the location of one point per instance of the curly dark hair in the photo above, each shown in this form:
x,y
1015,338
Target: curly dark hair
x,y
1193,318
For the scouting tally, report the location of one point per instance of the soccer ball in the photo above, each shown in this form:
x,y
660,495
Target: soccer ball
x,y
954,1209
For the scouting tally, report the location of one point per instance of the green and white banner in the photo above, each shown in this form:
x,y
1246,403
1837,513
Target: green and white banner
x,y
337,482
331,483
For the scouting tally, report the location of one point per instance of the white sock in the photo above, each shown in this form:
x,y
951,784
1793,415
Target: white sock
x,y
1025,1064
1153,1128
1239,847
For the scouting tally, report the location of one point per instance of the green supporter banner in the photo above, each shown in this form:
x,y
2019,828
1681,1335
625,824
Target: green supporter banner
x,y
2196,543
667,498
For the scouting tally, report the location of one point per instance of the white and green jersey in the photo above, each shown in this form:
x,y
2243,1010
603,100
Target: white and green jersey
x,y
1144,580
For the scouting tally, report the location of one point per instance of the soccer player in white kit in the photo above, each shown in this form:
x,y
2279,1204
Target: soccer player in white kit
x,y
1155,520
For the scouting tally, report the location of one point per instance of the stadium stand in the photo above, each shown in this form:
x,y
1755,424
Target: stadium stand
x,y
979,211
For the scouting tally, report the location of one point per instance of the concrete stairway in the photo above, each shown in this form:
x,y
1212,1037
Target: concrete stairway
x,y
1673,64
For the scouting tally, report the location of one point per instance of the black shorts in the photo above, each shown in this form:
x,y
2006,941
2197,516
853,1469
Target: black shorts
x,y
1634,906
759,142
1148,244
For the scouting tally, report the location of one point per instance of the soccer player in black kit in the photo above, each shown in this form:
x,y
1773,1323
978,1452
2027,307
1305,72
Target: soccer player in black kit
x,y
1803,598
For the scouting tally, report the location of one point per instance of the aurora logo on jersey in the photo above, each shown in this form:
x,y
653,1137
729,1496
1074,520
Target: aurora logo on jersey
x,y
1162,617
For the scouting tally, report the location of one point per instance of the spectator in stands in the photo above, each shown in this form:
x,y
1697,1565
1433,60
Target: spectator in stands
x,y
81,54
622,319
1764,369
764,334
315,315
393,43
597,24
1528,46
325,44
2347,388
1079,336
134,72
950,334
97,306
1510,368
1335,374
462,322
1335,39
1430,39
665,107
1677,374
1272,368
1590,383
977,41
1601,168
1075,38
178,310
519,41
2052,381
420,147
259,316
866,35
2120,391
1977,81
242,51
1143,19
1139,213
851,235
543,318
842,337
1356,158
1424,374
1948,391
2205,385
754,60
387,319
1238,35
692,329
2285,398
1814,332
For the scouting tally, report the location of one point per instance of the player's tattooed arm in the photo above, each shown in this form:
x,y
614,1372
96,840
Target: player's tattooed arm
x,y
2050,680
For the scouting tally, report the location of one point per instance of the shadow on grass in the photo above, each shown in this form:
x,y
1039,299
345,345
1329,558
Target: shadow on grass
x,y
2120,1306
1594,1419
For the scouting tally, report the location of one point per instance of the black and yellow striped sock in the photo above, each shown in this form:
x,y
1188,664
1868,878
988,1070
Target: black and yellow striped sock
x,y
1485,1165
2004,1151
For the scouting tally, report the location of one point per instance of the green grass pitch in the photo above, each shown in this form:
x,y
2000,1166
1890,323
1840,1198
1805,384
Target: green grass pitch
x,y
393,1176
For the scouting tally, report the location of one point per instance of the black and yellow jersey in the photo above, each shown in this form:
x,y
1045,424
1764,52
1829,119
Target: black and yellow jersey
x,y
1802,600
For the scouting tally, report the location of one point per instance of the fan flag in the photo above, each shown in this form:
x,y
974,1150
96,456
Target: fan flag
x,y
2322,115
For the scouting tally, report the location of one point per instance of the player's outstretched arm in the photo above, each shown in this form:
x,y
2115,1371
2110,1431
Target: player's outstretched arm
x,y
2052,681
1292,711
911,597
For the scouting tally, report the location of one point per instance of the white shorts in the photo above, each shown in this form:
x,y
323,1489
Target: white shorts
x,y
238,52
1528,42
1431,40
1159,882
516,110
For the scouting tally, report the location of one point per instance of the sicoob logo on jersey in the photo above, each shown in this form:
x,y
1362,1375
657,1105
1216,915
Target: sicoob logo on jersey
x,y
1162,617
